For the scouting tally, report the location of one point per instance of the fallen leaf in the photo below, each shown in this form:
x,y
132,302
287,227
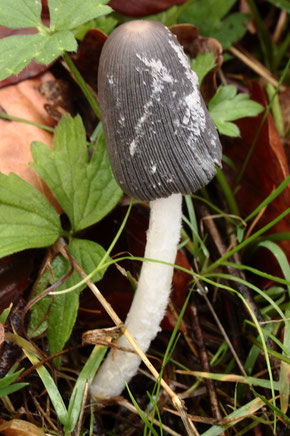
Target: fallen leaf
x,y
284,98
24,101
88,56
142,8
266,169
193,45
18,427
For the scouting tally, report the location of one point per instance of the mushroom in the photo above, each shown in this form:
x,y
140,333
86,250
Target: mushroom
x,y
161,144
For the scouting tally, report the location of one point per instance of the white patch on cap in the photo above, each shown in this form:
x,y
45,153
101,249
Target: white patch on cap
x,y
194,118
160,76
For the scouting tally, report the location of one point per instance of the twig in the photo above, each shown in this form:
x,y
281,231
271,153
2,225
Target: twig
x,y
204,362
255,65
222,250
280,26
202,292
177,402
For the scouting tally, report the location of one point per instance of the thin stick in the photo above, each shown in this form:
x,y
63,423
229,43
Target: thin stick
x,y
255,65
176,401
132,409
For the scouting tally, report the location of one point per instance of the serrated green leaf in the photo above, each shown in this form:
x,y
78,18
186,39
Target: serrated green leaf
x,y
60,312
227,31
86,190
53,46
64,310
27,219
231,29
18,14
65,14
226,106
17,51
202,64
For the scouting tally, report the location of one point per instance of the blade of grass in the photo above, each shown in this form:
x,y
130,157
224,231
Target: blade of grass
x,y
269,198
87,374
234,378
246,242
268,108
238,415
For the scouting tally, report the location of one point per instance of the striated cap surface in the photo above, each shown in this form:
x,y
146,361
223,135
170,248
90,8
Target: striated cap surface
x,y
159,135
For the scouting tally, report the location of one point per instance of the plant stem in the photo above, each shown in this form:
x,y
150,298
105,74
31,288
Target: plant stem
x,y
151,297
82,84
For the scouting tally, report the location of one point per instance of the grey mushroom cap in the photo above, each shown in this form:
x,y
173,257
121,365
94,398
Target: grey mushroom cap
x,y
160,137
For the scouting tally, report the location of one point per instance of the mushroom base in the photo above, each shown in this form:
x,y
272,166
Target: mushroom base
x,y
150,300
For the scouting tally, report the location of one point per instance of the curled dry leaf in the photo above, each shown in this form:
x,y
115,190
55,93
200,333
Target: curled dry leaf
x,y
59,95
88,56
266,169
284,98
24,101
142,8
194,44
18,427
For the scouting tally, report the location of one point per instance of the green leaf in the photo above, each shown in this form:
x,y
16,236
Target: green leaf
x,y
236,416
6,386
86,190
65,14
50,386
226,106
17,51
86,375
231,29
53,46
27,219
202,64
227,31
13,388
18,14
60,311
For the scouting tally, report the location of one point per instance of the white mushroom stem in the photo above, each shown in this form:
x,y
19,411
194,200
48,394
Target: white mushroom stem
x,y
150,300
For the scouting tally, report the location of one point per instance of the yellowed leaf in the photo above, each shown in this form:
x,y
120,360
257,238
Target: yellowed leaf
x,y
24,100
18,427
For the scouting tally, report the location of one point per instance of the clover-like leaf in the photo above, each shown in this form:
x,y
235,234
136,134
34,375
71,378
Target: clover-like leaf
x,y
227,106
62,312
18,50
67,14
227,30
18,14
202,64
86,190
27,219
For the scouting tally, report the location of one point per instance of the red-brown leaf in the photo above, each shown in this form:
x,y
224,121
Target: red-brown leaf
x,y
142,8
